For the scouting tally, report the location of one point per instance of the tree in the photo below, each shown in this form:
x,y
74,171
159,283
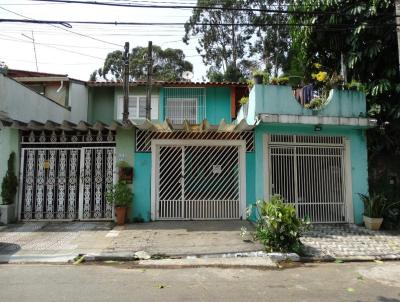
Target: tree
x,y
364,33
168,64
222,47
272,39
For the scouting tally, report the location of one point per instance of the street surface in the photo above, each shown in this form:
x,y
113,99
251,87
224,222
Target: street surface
x,y
374,281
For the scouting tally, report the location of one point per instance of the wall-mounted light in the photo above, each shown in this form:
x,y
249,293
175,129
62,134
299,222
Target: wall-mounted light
x,y
317,128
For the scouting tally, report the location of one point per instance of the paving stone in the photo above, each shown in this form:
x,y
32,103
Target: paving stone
x,y
343,241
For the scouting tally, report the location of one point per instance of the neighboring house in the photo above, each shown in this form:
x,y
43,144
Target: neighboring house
x,y
19,106
69,93
199,157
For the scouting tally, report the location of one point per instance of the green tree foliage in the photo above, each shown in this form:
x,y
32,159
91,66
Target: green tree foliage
x,y
10,182
271,41
168,64
365,33
224,47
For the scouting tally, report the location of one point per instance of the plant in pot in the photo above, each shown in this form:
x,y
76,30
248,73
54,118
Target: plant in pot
x,y
260,77
8,192
120,195
125,171
374,208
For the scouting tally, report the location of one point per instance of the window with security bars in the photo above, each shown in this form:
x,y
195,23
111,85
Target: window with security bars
x,y
179,110
185,104
137,107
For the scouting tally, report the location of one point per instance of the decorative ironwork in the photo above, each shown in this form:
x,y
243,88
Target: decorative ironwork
x,y
51,182
31,137
73,184
40,179
42,137
29,171
62,179
143,138
109,179
55,137
87,182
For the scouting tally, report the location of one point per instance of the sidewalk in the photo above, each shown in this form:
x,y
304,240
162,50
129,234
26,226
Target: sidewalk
x,y
63,242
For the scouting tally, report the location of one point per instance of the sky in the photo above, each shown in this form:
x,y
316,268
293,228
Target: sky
x,y
63,52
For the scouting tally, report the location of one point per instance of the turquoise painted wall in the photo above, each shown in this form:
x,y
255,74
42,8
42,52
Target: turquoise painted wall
x,y
358,157
217,107
142,186
276,99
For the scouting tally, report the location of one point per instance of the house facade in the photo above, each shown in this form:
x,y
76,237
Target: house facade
x,y
200,157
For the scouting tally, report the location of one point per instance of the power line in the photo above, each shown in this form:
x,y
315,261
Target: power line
x,y
62,28
116,23
265,10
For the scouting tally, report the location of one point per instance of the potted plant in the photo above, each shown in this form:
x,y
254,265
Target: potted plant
x,y
260,77
125,172
8,192
374,208
120,195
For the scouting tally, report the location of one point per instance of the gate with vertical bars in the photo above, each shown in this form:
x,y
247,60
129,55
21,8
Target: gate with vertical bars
x,y
198,181
66,180
308,171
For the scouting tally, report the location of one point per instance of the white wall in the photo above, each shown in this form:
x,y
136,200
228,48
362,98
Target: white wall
x,y
78,101
23,104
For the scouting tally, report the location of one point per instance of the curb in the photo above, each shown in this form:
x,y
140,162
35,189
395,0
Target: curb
x,y
54,259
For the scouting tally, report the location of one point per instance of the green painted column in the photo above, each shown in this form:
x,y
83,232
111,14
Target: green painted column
x,y
9,142
125,151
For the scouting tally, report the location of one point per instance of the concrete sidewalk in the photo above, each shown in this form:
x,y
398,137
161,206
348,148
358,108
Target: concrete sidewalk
x,y
62,242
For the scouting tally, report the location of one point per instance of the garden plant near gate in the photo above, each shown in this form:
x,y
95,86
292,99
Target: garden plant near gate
x,y
10,182
278,227
120,195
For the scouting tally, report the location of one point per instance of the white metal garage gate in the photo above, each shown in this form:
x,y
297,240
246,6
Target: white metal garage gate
x,y
309,172
198,180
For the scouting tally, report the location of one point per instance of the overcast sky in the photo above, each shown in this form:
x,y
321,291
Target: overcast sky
x,y
60,51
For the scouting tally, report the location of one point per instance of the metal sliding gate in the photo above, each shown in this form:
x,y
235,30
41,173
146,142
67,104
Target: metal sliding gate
x,y
308,171
198,182
66,183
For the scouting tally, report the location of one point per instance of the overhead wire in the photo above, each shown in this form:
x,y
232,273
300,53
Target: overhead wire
x,y
62,28
133,5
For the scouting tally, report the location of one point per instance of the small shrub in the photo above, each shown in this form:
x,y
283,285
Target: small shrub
x,y
10,182
278,227
119,194
316,103
280,81
244,100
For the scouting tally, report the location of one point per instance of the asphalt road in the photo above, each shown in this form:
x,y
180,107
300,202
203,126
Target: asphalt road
x,y
110,282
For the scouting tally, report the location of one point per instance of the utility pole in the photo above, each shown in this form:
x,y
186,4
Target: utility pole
x,y
277,39
34,47
148,86
125,114
397,10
